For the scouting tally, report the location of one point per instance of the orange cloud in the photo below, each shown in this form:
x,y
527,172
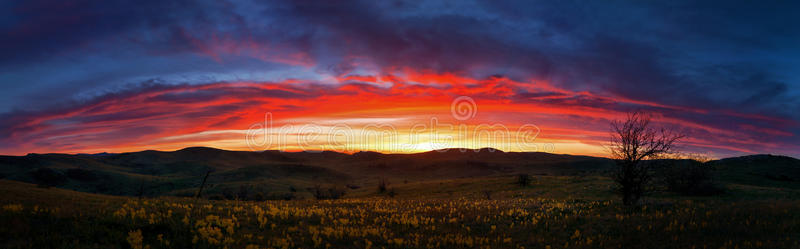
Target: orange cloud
x,y
218,114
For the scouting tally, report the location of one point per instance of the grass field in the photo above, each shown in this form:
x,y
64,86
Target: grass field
x,y
554,212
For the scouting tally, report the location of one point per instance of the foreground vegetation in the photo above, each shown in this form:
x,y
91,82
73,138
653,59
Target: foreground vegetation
x,y
43,218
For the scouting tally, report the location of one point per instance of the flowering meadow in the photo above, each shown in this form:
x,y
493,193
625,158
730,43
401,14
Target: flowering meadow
x,y
65,219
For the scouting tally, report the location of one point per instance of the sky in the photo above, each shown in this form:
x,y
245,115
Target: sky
x,y
116,76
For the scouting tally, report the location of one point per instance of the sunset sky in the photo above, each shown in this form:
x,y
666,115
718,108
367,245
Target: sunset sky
x,y
117,76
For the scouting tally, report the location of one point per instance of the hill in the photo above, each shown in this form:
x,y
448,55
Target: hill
x,y
760,170
180,172
154,173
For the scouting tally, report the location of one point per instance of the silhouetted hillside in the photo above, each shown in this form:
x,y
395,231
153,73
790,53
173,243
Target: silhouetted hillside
x,y
180,172
760,170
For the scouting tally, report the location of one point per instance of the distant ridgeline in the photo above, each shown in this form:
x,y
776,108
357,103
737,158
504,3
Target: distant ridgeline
x,y
154,173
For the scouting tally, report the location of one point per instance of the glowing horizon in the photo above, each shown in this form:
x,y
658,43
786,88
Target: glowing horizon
x,y
403,102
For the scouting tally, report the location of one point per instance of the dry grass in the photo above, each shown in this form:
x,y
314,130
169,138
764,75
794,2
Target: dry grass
x,y
41,218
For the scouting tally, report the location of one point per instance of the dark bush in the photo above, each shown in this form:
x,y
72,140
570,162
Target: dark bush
x,y
523,180
228,193
258,197
336,193
81,175
287,196
689,177
244,192
330,193
141,192
47,177
382,184
317,191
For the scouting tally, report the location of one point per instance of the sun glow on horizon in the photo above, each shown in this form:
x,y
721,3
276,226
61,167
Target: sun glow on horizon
x,y
436,111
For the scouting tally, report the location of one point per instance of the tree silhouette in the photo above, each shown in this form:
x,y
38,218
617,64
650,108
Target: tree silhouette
x,y
633,141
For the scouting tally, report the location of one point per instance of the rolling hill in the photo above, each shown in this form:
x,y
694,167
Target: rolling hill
x,y
153,173
760,170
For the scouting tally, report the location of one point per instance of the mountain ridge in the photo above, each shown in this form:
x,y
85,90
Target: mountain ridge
x,y
179,172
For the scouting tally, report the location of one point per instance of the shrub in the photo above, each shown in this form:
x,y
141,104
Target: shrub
x,y
487,194
258,197
330,193
228,193
81,175
523,180
689,177
336,193
46,177
288,196
382,184
244,192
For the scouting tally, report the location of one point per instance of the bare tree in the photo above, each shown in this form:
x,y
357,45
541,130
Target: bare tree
x,y
633,141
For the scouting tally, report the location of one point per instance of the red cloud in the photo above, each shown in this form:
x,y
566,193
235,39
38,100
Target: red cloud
x,y
141,118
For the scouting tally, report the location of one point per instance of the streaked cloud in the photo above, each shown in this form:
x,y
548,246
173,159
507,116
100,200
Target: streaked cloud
x,y
92,76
